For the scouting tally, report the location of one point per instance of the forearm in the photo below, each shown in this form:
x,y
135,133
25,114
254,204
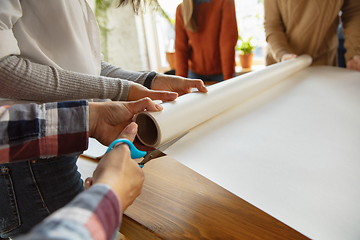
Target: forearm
x,y
42,130
181,60
228,39
275,32
143,78
228,63
93,214
23,79
109,70
351,19
181,46
228,60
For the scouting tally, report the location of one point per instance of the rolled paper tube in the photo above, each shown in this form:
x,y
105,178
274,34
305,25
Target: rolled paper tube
x,y
190,110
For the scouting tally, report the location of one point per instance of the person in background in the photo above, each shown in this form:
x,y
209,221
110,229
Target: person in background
x,y
50,51
341,49
205,39
310,27
117,180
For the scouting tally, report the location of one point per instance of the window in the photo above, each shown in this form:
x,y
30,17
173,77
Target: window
x,y
250,19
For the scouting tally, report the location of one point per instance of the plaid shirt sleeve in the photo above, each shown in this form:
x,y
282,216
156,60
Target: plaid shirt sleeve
x,y
43,130
93,215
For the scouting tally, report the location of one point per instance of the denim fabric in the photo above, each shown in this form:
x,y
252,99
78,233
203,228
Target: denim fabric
x,y
201,1
205,78
341,49
31,190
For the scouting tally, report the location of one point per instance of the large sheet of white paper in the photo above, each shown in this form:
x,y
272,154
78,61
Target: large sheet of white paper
x,y
293,151
157,128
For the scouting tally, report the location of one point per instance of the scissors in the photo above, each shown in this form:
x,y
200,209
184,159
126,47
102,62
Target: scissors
x,y
136,153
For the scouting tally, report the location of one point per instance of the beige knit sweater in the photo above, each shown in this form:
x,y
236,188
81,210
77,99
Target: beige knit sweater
x,y
310,27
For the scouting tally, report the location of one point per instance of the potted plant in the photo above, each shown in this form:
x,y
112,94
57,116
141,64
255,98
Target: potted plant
x,y
245,48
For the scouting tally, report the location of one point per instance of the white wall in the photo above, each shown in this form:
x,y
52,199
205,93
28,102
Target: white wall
x,y
126,39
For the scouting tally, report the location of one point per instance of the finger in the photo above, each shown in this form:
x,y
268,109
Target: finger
x,y
88,182
291,57
199,84
354,63
129,132
288,56
350,64
142,104
357,58
162,95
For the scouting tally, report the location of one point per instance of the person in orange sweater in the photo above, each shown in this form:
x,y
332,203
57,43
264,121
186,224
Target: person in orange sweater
x,y
205,38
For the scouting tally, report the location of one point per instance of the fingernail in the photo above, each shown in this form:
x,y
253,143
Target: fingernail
x,y
159,107
173,94
131,128
88,182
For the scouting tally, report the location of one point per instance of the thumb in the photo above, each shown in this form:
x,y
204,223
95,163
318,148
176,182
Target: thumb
x,y
88,183
129,132
142,104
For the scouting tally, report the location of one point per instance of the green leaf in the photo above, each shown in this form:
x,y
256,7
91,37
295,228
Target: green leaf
x,y
244,46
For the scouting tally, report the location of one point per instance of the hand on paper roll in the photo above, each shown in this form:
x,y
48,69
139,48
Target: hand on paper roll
x,y
108,119
354,63
288,56
137,91
177,84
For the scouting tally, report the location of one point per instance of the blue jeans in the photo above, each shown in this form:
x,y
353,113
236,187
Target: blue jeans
x,y
206,78
32,190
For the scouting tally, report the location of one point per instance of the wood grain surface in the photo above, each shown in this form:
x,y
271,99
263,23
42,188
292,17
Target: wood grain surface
x,y
178,203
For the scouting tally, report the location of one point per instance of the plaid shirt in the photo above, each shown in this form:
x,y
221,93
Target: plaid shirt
x,y
43,130
93,214
30,131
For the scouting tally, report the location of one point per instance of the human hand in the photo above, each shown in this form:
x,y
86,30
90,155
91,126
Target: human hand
x,y
137,91
288,56
177,84
119,171
354,63
108,119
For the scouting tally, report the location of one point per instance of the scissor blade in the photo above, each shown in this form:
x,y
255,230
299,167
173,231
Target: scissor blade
x,y
157,152
150,156
168,144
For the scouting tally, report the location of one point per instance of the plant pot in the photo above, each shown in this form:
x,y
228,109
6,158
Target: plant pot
x,y
170,57
246,60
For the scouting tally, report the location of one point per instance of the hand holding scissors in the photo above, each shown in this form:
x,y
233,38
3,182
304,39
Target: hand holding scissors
x,y
135,153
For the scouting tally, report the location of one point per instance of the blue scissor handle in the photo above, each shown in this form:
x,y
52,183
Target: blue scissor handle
x,y
135,153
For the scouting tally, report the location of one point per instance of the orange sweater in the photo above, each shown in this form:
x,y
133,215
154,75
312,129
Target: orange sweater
x,y
211,50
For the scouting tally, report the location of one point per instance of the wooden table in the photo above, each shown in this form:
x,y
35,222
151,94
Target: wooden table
x,y
178,203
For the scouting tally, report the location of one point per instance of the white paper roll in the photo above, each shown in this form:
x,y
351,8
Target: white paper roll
x,y
190,110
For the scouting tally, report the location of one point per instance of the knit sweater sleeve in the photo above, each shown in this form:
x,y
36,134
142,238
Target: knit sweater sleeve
x,y
228,39
23,79
275,30
181,46
351,19
109,70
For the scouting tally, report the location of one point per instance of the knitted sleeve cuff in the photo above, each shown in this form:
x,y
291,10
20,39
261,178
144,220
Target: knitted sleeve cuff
x,y
149,79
